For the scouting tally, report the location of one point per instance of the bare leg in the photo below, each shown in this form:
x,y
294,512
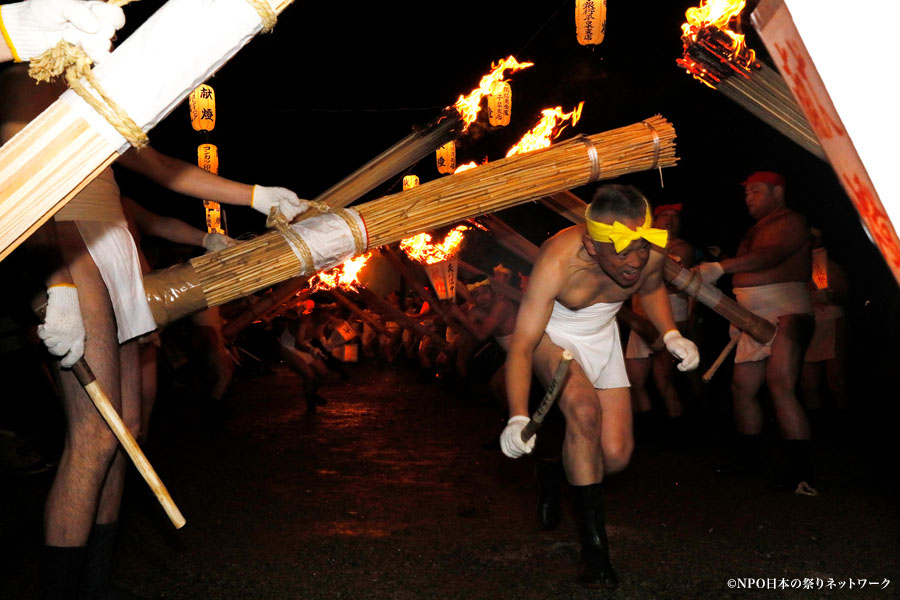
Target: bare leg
x,y
90,445
748,377
663,374
638,370
783,373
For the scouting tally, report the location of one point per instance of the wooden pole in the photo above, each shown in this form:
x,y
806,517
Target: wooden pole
x,y
396,260
101,401
375,301
352,307
279,295
707,377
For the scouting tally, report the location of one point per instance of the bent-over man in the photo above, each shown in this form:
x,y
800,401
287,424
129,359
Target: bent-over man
x,y
582,276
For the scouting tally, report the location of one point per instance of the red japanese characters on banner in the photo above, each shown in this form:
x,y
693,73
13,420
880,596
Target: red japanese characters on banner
x,y
873,215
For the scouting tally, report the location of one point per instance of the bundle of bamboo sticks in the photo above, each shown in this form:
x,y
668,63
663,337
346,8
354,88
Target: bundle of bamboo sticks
x,y
753,85
268,259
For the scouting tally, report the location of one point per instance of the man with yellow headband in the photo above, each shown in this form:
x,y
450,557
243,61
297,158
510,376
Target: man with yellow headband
x,y
581,277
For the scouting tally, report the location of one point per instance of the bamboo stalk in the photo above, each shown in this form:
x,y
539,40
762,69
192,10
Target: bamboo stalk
x,y
245,268
43,166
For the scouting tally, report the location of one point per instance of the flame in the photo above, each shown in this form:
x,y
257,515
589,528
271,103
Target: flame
x,y
420,248
468,106
344,276
703,23
465,167
542,134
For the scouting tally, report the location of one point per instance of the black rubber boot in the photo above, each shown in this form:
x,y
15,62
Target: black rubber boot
x,y
596,568
60,572
98,583
550,477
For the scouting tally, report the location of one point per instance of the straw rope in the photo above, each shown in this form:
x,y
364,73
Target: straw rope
x,y
71,59
245,268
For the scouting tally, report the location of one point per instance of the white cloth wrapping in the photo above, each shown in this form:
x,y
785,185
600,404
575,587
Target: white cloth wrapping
x,y
173,52
591,334
115,255
330,240
769,302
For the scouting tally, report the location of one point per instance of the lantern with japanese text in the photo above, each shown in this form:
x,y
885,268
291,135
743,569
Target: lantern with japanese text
x,y
590,21
446,158
202,104
208,158
410,181
443,277
500,104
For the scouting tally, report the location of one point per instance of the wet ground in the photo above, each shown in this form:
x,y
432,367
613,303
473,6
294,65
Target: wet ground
x,y
388,492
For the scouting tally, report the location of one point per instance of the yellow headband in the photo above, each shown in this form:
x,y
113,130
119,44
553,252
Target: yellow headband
x,y
472,286
621,235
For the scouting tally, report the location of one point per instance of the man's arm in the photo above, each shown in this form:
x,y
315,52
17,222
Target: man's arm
x,y
167,228
655,301
481,328
776,243
547,279
185,178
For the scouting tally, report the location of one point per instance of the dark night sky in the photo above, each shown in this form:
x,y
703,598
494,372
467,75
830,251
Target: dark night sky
x,y
337,83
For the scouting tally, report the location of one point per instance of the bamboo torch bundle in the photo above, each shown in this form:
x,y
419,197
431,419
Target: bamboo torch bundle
x,y
719,58
218,277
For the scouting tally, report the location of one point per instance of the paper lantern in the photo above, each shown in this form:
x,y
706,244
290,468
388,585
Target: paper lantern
x,y
590,21
346,353
410,181
446,158
443,277
500,104
202,103
208,158
342,334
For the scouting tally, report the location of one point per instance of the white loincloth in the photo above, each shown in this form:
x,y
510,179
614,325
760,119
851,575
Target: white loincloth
x,y
591,334
97,212
769,302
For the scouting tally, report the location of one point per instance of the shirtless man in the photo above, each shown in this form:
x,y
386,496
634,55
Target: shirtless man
x,y
492,315
97,307
581,277
770,275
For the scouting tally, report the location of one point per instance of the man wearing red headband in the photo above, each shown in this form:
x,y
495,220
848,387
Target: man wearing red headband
x,y
771,271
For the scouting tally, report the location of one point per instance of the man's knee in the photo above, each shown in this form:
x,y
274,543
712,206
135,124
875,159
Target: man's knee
x,y
617,454
583,413
93,441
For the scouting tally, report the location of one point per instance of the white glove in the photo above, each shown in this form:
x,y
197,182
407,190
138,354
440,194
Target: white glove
x,y
683,349
709,271
63,329
37,25
216,241
264,198
511,438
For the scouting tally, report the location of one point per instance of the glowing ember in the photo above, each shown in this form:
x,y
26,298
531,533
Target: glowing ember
x,y
344,276
468,106
420,248
466,167
546,130
712,52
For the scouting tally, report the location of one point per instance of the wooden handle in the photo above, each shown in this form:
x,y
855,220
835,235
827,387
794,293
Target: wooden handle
x,y
553,389
114,421
722,356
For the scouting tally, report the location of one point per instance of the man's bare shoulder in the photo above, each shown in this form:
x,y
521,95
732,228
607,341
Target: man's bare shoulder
x,y
564,243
